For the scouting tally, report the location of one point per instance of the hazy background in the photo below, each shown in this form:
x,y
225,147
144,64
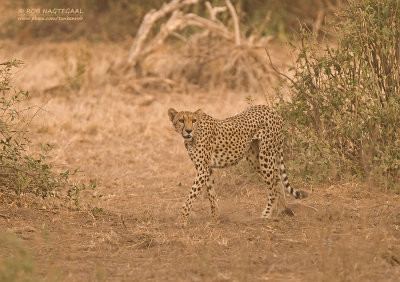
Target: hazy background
x,y
108,117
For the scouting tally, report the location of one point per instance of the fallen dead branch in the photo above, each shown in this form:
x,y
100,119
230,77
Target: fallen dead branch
x,y
148,21
310,207
235,21
213,55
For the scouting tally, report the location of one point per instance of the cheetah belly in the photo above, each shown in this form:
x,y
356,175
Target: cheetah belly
x,y
224,158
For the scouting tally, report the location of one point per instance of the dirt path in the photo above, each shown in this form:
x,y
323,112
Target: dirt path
x,y
341,233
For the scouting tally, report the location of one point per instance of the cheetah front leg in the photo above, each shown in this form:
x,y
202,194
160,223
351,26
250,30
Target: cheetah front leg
x,y
212,196
202,177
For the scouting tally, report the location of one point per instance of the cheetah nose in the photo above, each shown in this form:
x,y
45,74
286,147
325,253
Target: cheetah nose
x,y
188,131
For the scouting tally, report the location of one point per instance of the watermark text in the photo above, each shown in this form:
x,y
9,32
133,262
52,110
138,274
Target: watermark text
x,y
47,14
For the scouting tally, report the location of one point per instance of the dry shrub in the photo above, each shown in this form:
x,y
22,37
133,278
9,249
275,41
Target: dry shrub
x,y
21,171
214,53
345,114
212,62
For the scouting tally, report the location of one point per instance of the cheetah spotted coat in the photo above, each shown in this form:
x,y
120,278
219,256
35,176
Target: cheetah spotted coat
x,y
255,134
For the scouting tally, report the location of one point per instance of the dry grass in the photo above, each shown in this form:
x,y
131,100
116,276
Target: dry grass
x,y
124,140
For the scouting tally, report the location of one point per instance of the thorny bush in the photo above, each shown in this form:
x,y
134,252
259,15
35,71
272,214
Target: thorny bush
x,y
21,172
345,112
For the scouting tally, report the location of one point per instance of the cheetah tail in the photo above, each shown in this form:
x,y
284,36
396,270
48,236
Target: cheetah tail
x,y
298,194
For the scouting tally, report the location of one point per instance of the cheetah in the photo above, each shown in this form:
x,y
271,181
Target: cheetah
x,y
211,143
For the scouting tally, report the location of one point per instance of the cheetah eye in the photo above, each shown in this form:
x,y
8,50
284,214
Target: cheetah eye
x,y
181,120
194,120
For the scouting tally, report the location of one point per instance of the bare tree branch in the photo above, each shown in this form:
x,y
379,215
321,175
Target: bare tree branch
x,y
148,21
235,21
214,11
237,55
276,69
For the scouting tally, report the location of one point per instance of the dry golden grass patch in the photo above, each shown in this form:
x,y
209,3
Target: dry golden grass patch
x,y
344,232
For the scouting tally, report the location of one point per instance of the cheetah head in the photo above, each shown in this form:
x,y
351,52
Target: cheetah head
x,y
185,123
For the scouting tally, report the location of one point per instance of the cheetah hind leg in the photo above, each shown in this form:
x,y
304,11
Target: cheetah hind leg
x,y
253,155
275,199
268,168
254,159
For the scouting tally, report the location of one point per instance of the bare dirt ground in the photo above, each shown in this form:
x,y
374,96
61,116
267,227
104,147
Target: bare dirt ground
x,y
123,140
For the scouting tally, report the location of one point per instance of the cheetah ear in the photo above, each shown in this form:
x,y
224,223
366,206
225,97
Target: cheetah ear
x,y
172,113
198,112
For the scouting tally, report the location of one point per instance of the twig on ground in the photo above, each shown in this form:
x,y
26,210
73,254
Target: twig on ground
x,y
377,206
309,206
94,219
123,221
17,169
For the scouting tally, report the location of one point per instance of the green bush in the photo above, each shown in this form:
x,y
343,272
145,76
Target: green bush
x,y
345,114
21,172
